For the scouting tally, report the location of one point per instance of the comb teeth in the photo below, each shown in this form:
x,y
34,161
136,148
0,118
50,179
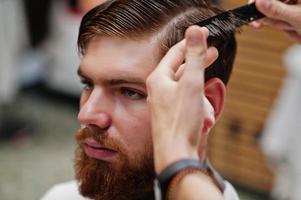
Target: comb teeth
x,y
230,21
225,25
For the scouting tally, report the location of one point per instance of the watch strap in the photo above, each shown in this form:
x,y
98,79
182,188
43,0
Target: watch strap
x,y
164,178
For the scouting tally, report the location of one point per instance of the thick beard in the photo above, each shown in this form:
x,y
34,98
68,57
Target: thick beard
x,y
101,180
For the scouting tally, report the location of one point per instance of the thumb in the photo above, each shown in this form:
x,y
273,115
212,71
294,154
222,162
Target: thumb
x,y
277,9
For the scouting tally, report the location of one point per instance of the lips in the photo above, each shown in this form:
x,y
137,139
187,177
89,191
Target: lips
x,y
95,150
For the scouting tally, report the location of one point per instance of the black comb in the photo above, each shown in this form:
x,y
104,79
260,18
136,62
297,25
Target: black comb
x,y
230,20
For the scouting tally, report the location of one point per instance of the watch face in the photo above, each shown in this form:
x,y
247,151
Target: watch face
x,y
157,189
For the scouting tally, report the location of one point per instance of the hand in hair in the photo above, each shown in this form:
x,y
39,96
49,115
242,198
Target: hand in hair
x,y
176,99
282,16
177,105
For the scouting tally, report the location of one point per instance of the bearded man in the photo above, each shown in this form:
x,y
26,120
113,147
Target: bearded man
x,y
126,48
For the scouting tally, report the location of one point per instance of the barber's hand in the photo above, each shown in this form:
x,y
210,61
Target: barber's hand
x,y
282,16
176,98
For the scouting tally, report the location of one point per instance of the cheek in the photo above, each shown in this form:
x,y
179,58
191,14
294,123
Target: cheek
x,y
135,129
83,98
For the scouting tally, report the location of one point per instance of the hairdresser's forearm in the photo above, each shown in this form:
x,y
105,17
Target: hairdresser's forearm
x,y
196,186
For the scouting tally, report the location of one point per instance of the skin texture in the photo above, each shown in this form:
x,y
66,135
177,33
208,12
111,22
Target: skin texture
x,y
281,16
113,107
138,101
114,97
189,188
179,115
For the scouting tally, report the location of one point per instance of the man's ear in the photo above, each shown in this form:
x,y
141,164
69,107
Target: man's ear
x,y
215,92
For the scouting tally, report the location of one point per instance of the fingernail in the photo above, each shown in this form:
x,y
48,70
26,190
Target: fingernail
x,y
194,40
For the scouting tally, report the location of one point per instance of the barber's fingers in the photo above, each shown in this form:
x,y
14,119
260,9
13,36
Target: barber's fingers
x,y
279,24
293,32
196,46
172,60
258,23
198,55
294,35
179,72
279,10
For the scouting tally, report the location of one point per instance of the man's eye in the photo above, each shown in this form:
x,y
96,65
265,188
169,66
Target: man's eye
x,y
133,94
87,85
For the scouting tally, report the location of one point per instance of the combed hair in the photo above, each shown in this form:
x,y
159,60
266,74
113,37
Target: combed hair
x,y
168,19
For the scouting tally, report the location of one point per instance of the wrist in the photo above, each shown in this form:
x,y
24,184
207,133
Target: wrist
x,y
165,178
165,156
187,184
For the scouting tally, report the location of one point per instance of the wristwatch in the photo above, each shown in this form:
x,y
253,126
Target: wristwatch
x,y
163,180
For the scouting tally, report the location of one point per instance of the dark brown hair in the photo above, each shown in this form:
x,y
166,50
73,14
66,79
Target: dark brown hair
x,y
136,19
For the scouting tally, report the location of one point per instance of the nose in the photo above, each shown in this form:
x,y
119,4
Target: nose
x,y
95,111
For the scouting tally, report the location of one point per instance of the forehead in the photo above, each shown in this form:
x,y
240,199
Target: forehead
x,y
113,56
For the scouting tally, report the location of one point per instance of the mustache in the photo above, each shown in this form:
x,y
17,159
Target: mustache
x,y
101,137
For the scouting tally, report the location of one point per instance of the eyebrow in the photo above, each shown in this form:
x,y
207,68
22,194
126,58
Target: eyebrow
x,y
122,79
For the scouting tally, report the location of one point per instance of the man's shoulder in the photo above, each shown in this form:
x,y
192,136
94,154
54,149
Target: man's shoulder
x,y
69,191
230,193
66,191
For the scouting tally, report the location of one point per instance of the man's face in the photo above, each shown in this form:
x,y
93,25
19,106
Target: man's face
x,y
115,148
